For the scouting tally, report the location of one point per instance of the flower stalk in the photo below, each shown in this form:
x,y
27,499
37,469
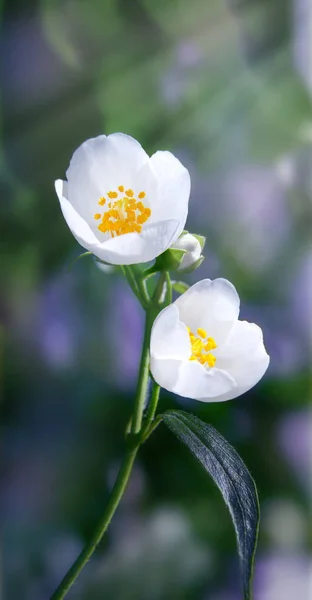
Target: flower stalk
x,y
115,497
138,430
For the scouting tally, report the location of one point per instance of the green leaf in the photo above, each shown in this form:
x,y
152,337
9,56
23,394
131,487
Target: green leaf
x,y
231,476
180,286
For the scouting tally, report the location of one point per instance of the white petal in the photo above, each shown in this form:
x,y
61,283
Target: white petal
x,y
99,165
173,188
78,226
190,379
165,371
243,356
211,305
127,249
133,248
169,337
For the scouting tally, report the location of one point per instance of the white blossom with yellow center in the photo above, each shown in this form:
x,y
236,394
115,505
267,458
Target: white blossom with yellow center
x,y
122,205
199,349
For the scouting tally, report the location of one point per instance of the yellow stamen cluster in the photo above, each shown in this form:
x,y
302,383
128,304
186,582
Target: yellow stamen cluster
x,y
201,347
125,214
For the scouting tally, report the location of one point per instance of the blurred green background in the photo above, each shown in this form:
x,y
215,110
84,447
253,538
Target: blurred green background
x,y
226,85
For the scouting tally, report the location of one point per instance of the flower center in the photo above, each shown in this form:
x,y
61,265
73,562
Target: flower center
x,y
201,345
126,214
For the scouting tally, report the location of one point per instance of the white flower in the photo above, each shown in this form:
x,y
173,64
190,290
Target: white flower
x,y
192,247
199,349
121,204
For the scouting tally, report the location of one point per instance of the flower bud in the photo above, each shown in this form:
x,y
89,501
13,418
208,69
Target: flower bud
x,y
192,247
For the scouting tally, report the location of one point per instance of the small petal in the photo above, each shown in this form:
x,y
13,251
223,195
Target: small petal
x,y
135,248
243,356
165,372
123,250
169,337
210,305
190,379
78,226
173,189
99,165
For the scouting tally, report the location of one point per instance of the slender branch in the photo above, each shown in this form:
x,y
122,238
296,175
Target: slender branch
x,y
152,406
84,556
159,288
145,299
123,475
169,288
139,287
143,379
148,432
128,273
70,266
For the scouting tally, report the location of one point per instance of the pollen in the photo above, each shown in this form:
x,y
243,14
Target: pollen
x,y
201,346
201,332
125,214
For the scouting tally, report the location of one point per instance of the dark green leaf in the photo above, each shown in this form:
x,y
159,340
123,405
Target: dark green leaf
x,y
231,476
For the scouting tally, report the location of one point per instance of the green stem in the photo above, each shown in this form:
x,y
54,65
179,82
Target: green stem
x,y
159,287
139,287
128,273
123,475
143,379
145,299
152,406
84,556
169,288
147,432
138,284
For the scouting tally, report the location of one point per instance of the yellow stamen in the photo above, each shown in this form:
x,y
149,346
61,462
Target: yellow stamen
x,y
141,219
131,215
201,332
211,360
125,214
201,345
